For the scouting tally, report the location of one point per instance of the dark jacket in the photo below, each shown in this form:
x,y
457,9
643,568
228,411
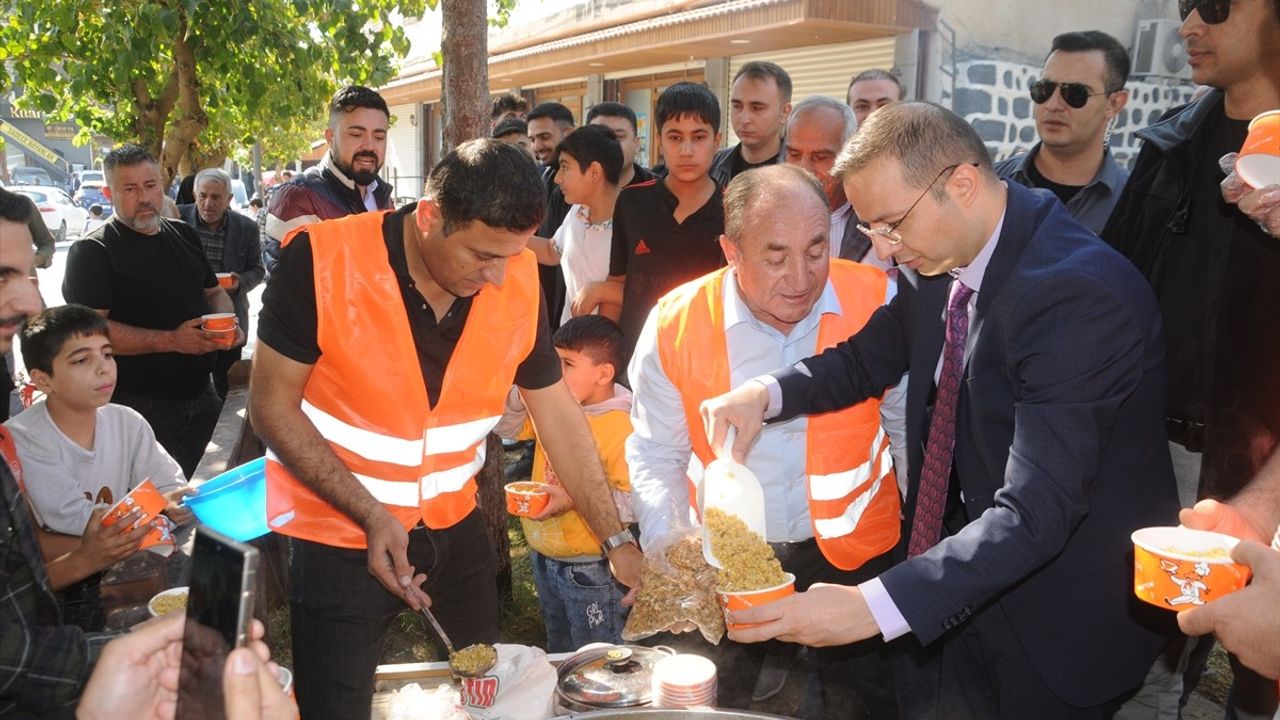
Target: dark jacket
x,y
722,166
1149,224
1060,448
242,254
321,193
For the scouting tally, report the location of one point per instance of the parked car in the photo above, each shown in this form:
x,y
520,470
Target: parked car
x,y
90,195
27,175
61,214
92,178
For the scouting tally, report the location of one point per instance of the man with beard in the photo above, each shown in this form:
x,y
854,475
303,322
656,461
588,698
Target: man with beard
x,y
149,277
232,244
346,180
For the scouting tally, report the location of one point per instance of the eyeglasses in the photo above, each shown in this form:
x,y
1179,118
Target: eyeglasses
x,y
890,232
1074,94
1212,12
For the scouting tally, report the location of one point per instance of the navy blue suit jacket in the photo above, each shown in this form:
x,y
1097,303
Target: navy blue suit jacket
x,y
1060,447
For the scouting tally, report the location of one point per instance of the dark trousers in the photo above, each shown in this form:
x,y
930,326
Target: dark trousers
x,y
182,427
856,679
979,671
341,614
222,363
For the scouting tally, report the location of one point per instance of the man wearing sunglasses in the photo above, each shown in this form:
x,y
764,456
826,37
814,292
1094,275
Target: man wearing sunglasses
x,y
1214,270
1035,427
1079,93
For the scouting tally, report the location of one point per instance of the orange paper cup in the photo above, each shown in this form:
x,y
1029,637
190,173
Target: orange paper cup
x,y
224,280
222,337
1259,160
145,497
732,601
526,498
1178,568
219,321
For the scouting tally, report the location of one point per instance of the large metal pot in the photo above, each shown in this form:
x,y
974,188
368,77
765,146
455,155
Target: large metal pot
x,y
608,677
671,714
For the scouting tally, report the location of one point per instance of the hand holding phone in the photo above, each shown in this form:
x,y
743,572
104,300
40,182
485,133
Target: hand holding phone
x,y
219,610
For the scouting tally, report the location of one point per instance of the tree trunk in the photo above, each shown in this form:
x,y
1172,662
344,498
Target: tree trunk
x,y
493,505
464,45
190,119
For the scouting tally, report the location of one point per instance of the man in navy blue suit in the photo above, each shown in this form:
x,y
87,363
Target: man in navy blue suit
x,y
1037,448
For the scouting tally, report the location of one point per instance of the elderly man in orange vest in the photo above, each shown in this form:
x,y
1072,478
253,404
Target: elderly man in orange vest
x,y
388,343
830,494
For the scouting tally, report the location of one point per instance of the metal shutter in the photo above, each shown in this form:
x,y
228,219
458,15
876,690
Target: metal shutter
x,y
403,167
821,69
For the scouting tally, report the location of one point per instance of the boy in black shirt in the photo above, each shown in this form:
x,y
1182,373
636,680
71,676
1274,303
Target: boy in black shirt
x,y
666,232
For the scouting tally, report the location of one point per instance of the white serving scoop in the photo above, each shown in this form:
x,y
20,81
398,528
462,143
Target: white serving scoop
x,y
730,486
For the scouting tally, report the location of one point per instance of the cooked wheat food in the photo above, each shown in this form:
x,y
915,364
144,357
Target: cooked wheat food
x,y
165,604
676,587
749,562
1217,553
473,660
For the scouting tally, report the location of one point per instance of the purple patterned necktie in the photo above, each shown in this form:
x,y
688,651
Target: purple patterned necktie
x,y
931,500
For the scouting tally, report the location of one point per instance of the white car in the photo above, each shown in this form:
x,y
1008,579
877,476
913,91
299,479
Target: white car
x,y
92,178
61,214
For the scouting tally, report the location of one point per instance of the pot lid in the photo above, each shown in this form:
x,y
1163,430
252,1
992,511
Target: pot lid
x,y
610,676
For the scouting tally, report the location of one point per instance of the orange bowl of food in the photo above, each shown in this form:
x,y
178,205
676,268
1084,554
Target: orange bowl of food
x,y
741,600
1179,568
219,321
526,498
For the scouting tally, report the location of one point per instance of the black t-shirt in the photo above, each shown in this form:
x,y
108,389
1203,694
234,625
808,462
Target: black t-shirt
x,y
1064,192
740,164
656,253
1194,264
288,319
148,281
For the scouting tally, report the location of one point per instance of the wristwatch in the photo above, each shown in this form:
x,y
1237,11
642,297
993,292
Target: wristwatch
x,y
613,542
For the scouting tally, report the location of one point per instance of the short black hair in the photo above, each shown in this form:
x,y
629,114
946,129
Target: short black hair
x,y
762,70
356,96
593,143
875,74
510,126
553,110
595,336
1113,53
44,334
490,181
614,109
509,102
16,207
126,155
687,98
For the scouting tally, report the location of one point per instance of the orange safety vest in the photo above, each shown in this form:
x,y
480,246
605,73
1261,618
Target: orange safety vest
x,y
367,397
853,496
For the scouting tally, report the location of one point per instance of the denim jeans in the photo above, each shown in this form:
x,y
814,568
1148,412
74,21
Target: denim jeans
x,y
581,602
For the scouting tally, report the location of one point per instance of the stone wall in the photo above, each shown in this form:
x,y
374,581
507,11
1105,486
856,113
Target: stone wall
x,y
992,95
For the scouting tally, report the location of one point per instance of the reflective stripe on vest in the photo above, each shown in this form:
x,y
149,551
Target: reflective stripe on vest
x,y
366,396
853,509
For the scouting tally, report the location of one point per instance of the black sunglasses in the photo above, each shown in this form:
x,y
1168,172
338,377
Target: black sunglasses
x,y
1074,94
1211,11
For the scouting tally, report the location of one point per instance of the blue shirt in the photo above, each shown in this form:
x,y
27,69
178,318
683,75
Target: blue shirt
x,y
1093,204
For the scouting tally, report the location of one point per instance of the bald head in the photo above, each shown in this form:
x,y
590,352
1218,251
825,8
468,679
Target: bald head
x,y
769,188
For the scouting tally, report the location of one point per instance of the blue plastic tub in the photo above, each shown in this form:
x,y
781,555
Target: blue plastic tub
x,y
235,502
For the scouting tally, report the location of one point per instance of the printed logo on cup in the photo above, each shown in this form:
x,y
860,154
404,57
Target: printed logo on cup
x,y
480,692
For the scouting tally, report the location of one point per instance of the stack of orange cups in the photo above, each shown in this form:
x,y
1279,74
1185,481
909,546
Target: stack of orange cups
x,y
222,325
684,682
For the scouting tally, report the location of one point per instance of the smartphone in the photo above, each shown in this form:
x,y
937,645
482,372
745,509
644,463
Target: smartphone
x,y
219,609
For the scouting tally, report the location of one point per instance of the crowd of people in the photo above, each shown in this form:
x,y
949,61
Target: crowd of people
x,y
962,384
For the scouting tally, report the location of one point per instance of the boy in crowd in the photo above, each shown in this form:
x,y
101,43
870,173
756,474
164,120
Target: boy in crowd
x,y
666,232
590,164
80,453
581,602
514,131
